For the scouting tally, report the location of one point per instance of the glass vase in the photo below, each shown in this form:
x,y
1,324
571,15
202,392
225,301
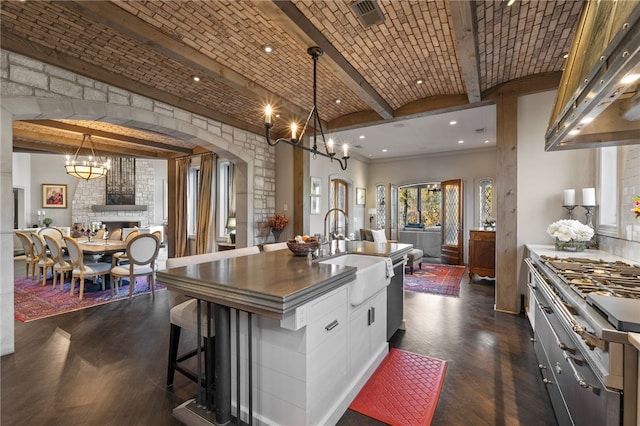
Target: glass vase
x,y
571,245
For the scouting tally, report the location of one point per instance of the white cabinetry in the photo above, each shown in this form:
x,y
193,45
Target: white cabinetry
x,y
299,375
367,332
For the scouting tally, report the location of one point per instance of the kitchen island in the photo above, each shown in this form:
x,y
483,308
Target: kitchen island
x,y
292,318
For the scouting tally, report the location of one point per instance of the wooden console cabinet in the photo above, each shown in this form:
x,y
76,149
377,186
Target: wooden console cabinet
x,y
482,253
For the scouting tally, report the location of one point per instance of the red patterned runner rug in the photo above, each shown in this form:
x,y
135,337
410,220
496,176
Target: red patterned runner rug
x,y
435,279
32,301
403,391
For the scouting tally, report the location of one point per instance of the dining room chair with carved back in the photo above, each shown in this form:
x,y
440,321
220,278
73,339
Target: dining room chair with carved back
x,y
30,258
61,263
121,257
142,252
83,269
183,312
99,235
44,261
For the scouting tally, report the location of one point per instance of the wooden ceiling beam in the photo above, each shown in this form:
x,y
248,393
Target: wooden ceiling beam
x,y
463,16
113,16
290,19
53,57
68,145
525,85
95,133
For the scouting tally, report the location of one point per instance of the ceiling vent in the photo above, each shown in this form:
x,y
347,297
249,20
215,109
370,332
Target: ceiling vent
x,y
368,12
482,130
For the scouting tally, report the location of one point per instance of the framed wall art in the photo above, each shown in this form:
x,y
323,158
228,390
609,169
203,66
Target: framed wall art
x,y
361,196
54,196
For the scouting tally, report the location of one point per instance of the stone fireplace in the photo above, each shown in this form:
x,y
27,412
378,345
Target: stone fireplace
x,y
89,201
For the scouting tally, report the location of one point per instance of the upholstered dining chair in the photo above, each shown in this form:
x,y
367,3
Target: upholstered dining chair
x,y
142,251
121,257
52,232
31,260
274,247
61,263
116,235
44,261
184,312
82,270
99,234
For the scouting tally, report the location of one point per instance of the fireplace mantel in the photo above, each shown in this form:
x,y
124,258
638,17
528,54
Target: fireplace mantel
x,y
119,208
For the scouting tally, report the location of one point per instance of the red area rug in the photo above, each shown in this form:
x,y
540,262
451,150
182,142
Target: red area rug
x,y
435,279
403,391
32,301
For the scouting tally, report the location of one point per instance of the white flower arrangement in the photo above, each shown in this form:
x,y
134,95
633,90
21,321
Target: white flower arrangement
x,y
570,229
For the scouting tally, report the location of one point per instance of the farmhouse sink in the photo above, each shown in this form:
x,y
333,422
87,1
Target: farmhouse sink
x,y
371,276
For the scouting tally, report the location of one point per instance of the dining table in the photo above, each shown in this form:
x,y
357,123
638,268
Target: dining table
x,y
100,246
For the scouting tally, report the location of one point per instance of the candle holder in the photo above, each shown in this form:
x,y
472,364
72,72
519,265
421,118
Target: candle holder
x,y
569,211
588,215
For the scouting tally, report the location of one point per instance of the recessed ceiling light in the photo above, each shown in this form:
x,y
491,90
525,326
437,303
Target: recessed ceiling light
x,y
574,132
419,81
370,155
565,55
196,78
361,136
338,101
511,2
486,141
586,120
460,141
453,123
385,150
277,115
266,48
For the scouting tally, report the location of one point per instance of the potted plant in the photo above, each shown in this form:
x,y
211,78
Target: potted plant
x,y
47,221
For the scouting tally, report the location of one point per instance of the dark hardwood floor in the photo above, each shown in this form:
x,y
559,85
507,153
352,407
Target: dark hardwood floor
x,y
107,365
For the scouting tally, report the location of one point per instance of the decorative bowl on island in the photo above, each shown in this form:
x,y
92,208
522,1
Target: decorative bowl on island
x,y
301,246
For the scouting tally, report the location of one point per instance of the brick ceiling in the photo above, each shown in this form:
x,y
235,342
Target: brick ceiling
x,y
462,50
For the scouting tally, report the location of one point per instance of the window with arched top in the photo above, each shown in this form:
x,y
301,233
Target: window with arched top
x,y
338,198
485,189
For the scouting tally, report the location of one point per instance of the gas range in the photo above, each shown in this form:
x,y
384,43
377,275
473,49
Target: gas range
x,y
611,287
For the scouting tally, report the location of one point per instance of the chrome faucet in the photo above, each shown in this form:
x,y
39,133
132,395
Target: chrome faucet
x,y
330,235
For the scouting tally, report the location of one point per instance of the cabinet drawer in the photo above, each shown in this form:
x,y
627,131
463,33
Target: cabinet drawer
x,y
318,309
322,330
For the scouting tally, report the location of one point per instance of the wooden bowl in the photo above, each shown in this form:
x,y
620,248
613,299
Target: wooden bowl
x,y
301,249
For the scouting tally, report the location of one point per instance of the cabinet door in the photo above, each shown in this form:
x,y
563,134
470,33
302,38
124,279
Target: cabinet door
x,y
378,322
358,338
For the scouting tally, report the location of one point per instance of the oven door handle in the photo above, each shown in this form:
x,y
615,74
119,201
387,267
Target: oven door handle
x,y
590,339
563,346
581,381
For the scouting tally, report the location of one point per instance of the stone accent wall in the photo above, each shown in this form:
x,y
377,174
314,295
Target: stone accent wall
x,y
21,76
93,192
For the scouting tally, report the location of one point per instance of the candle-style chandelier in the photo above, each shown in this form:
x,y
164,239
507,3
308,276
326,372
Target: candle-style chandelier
x,y
91,168
297,142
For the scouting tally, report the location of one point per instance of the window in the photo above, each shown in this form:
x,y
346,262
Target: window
x,y
224,197
486,200
609,187
420,205
192,198
381,217
338,198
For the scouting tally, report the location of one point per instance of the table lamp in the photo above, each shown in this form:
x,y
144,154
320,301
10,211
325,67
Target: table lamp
x,y
231,225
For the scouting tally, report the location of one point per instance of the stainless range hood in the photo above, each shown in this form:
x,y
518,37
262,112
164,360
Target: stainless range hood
x,y
598,102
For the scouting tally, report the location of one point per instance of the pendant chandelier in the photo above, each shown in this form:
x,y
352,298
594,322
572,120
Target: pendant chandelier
x,y
297,141
91,168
